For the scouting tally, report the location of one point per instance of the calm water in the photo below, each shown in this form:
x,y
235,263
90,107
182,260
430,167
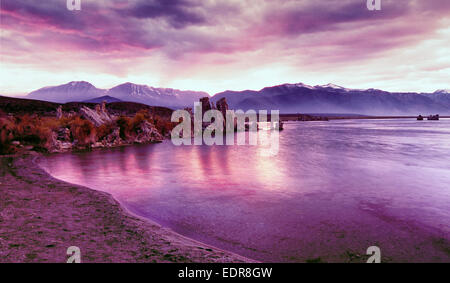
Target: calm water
x,y
334,189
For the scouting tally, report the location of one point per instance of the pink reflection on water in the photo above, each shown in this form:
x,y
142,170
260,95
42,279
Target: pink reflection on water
x,y
334,188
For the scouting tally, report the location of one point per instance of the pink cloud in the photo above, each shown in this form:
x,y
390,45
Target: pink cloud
x,y
124,38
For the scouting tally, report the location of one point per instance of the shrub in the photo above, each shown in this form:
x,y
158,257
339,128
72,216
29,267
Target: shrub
x,y
140,117
129,126
65,121
82,130
164,126
125,126
40,131
104,130
32,130
26,129
6,135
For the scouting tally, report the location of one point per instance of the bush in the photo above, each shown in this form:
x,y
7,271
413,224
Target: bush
x,y
129,126
40,131
6,135
104,130
140,117
28,130
32,130
83,131
164,126
125,126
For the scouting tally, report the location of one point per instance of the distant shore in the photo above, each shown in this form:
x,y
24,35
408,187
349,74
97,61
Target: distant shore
x,y
42,216
295,117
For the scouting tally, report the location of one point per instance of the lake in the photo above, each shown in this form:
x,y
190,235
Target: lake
x,y
334,189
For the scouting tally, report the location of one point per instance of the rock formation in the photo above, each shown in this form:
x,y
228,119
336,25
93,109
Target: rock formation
x,y
222,106
99,116
61,139
206,105
59,113
55,144
147,133
113,139
433,117
63,134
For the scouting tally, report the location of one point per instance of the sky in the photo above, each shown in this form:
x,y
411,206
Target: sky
x,y
218,45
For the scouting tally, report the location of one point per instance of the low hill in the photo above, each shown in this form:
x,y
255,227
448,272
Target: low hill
x,y
100,99
20,106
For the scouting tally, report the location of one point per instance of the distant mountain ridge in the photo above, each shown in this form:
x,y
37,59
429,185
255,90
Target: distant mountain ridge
x,y
330,98
84,91
70,92
288,98
155,96
106,98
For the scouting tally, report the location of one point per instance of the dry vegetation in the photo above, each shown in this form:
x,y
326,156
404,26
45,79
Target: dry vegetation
x,y
35,131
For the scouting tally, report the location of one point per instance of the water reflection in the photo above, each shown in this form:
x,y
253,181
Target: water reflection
x,y
334,187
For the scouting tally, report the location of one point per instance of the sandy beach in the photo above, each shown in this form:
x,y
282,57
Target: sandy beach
x,y
40,217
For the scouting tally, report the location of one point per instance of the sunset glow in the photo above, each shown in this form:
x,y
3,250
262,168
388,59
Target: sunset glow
x,y
217,45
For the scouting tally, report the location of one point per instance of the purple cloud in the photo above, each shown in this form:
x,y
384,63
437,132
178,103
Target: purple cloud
x,y
200,36
179,13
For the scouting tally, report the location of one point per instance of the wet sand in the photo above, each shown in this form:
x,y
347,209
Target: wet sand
x,y
40,217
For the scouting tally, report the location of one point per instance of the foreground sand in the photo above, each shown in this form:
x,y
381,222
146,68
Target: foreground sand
x,y
40,217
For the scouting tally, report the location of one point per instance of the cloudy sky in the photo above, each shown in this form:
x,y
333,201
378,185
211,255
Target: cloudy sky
x,y
215,45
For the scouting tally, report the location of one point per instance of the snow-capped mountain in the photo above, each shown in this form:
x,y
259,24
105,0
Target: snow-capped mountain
x,y
440,96
155,96
330,98
73,91
332,86
84,91
442,91
288,98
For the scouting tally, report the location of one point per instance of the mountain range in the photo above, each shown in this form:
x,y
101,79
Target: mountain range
x,y
288,98
85,92
294,98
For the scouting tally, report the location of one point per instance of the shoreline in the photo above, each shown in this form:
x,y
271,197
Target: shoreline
x,y
42,216
294,117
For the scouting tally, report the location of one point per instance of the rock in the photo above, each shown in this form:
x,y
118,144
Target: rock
x,y
103,107
189,110
433,117
66,146
63,134
205,104
97,145
55,145
113,139
59,113
222,106
98,117
147,133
